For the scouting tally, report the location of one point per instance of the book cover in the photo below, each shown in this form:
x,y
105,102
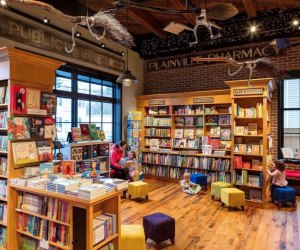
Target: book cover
x,y
153,110
179,121
189,121
191,144
206,149
252,128
225,145
45,153
199,110
2,94
33,98
179,143
255,149
241,130
188,134
50,131
236,148
215,143
255,195
215,132
49,121
250,112
93,131
68,167
95,150
76,134
136,133
224,119
88,165
24,152
225,134
85,133
46,168
242,148
199,132
212,120
154,144
199,121
76,153
37,129
249,149
18,99
48,102
178,133
101,134
18,128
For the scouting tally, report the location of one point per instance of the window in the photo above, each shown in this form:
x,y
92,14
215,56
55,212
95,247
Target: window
x,y
87,96
290,113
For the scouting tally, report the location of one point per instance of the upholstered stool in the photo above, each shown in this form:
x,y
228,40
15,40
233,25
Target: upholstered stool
x,y
283,195
132,237
159,227
232,197
138,189
216,189
200,179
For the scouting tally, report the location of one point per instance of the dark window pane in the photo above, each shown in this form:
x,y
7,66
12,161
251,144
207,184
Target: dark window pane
x,y
63,84
63,73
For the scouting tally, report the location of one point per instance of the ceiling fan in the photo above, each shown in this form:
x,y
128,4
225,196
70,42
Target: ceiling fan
x,y
217,11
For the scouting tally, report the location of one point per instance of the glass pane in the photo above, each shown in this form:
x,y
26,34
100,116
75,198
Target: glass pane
x,y
107,91
291,121
106,83
62,130
83,111
63,84
63,73
96,112
107,112
107,127
64,109
83,87
95,80
291,93
83,78
96,89
292,141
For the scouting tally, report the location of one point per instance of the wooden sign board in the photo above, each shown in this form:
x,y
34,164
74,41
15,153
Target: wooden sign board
x,y
156,102
249,91
203,99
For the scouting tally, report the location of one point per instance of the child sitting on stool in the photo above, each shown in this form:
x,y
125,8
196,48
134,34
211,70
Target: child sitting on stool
x,y
278,174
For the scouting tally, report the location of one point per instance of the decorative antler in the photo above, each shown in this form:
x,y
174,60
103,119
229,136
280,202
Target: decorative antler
x,y
262,65
101,24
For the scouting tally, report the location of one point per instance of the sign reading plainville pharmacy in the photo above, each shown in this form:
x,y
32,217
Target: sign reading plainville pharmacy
x,y
34,36
252,91
156,102
237,54
203,99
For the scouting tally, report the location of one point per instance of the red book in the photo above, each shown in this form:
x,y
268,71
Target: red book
x,y
215,143
18,99
68,167
85,132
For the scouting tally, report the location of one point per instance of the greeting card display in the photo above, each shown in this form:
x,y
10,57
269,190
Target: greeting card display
x,y
18,99
85,132
48,102
18,128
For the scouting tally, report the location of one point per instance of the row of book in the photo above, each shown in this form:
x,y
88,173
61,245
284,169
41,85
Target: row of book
x,y
196,109
42,205
87,132
3,237
250,149
156,143
251,112
3,119
251,129
154,121
3,213
3,166
253,195
104,226
3,188
3,142
189,121
158,132
86,152
48,230
155,170
186,143
30,127
160,110
239,163
246,179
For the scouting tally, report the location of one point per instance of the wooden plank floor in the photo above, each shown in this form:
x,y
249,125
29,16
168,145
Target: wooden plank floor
x,y
203,224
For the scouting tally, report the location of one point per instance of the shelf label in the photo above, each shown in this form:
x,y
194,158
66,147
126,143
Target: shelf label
x,y
156,102
252,91
203,99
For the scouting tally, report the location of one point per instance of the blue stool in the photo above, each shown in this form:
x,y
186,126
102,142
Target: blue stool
x,y
283,195
200,179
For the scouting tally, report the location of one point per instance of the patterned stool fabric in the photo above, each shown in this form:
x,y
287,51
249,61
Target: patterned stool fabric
x,y
159,227
283,195
132,237
233,197
216,188
200,179
138,189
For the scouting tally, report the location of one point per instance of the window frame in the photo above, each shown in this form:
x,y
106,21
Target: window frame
x,y
74,95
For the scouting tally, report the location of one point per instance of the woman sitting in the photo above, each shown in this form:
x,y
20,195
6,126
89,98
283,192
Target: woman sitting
x,y
117,154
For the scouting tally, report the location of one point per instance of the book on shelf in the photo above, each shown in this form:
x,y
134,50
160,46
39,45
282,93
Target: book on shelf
x,y
256,164
18,128
188,133
242,149
238,162
179,143
3,119
68,167
246,164
2,94
210,110
33,98
76,153
206,149
85,132
199,132
259,108
215,132
255,149
249,150
188,110
215,143
3,142
199,110
212,120
199,121
219,153
132,124
254,180
76,134
46,168
241,130
252,128
192,143
225,134
250,112
244,177
24,152
18,99
135,133
225,145
163,110
224,120
3,166
37,127
50,131
154,144
44,153
255,195
49,102
189,121
93,131
98,230
3,188
153,110
101,134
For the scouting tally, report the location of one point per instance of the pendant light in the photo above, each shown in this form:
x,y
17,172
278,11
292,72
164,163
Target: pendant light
x,y
127,78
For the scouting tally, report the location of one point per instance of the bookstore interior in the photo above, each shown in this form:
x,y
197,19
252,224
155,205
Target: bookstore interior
x,y
133,125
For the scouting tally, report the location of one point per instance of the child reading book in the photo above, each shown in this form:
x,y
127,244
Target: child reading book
x,y
131,157
278,174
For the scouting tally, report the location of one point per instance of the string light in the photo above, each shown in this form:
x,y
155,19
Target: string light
x,y
78,34
3,3
103,45
122,53
295,22
46,20
253,29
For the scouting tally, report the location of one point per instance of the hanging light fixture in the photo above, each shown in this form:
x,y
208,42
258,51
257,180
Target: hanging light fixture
x,y
127,78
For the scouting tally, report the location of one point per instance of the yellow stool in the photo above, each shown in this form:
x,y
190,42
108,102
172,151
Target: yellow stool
x,y
233,197
216,189
138,189
132,237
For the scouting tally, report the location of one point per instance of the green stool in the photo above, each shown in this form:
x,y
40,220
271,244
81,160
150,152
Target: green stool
x,y
216,189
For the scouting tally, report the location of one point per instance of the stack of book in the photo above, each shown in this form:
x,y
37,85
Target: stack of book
x,y
62,185
92,191
38,183
118,184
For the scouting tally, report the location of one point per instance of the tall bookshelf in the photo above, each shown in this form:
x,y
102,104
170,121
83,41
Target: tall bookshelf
x,y
200,115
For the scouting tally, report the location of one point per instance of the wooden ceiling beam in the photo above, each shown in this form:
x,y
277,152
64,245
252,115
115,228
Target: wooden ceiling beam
x,y
295,3
146,20
180,5
250,8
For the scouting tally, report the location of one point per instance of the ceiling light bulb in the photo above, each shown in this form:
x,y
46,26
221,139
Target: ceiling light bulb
x,y
295,22
123,53
3,2
46,20
78,34
103,45
253,29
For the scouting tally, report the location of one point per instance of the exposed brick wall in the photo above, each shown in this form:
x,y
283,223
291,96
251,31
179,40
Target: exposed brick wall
x,y
291,166
212,77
